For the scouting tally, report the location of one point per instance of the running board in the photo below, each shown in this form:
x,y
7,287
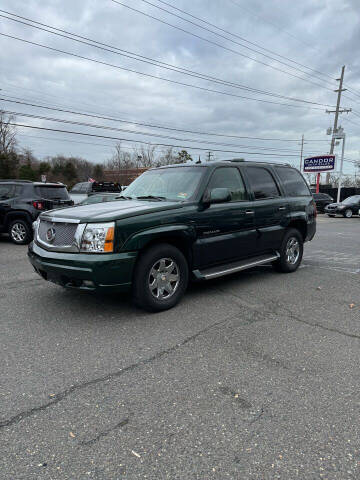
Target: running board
x,y
233,267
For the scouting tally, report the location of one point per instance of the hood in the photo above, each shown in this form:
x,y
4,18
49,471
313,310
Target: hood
x,y
335,204
110,211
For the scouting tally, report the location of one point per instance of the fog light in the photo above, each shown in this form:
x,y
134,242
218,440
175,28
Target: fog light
x,y
88,284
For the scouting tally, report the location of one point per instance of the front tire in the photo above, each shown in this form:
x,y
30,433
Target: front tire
x,y
20,232
160,278
348,213
291,252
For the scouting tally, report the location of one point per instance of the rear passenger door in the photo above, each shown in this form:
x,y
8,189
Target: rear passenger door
x,y
269,206
225,230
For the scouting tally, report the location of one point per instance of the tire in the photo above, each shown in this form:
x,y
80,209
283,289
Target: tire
x,y
348,213
153,291
20,232
291,252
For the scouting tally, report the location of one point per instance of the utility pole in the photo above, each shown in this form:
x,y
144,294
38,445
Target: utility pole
x,y
302,151
337,111
209,155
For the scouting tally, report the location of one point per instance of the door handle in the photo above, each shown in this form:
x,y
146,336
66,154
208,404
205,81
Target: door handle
x,y
282,208
249,212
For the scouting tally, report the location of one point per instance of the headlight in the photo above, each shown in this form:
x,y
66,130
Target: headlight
x,y
98,238
341,207
35,225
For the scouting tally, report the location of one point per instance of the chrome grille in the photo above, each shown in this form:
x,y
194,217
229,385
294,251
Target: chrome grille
x,y
64,233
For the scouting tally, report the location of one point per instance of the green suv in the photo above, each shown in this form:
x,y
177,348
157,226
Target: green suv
x,y
178,223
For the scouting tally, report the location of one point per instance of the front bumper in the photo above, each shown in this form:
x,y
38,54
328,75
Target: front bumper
x,y
335,211
111,272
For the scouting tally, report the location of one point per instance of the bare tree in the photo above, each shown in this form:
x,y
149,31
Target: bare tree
x,y
120,160
7,133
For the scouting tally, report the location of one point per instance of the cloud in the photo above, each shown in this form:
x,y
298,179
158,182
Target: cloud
x,y
310,33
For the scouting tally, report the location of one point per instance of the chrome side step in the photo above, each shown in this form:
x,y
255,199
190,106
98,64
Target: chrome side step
x,y
227,269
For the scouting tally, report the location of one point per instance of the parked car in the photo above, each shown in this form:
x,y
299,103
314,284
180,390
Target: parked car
x,y
321,200
347,208
100,197
81,191
22,201
175,223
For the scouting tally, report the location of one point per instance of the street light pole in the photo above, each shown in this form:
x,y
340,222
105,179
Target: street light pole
x,y
341,169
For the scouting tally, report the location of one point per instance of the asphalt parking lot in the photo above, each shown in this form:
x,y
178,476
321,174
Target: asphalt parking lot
x,y
253,376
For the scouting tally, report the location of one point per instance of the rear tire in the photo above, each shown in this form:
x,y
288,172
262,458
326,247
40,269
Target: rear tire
x,y
348,213
160,278
20,232
291,252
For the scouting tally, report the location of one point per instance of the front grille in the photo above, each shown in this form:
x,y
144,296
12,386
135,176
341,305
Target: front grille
x,y
63,233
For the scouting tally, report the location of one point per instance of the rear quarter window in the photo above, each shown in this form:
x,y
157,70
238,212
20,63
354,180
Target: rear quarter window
x,y
293,182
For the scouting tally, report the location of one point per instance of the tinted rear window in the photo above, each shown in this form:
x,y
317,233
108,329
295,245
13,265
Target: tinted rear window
x,y
52,193
293,182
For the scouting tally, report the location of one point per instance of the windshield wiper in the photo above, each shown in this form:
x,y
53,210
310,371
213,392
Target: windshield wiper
x,y
123,197
151,197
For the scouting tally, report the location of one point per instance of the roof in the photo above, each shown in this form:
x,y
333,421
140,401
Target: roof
x,y
37,184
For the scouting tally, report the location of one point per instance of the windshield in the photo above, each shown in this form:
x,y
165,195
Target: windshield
x,y
52,193
353,199
175,183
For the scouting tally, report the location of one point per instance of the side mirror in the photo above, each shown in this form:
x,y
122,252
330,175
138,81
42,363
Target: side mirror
x,y
219,195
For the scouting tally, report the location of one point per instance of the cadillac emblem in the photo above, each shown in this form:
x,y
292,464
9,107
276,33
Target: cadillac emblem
x,y
50,234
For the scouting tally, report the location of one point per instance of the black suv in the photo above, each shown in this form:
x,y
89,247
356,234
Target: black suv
x,y
22,201
81,191
177,223
322,200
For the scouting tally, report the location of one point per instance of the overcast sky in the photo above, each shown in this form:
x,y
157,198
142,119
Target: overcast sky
x,y
320,34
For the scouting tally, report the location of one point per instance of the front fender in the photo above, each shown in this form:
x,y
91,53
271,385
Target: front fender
x,y
139,240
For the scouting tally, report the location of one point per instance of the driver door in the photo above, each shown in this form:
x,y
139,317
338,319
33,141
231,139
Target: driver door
x,y
226,230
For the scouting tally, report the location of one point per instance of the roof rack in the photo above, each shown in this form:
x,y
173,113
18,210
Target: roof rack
x,y
5,180
240,160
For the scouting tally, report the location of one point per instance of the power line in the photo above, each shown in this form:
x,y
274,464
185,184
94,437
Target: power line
x,y
155,76
241,38
148,60
104,127
218,44
274,25
145,124
147,143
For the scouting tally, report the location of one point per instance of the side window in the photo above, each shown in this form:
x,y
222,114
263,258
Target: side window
x,y
262,183
84,188
18,190
229,177
293,182
6,191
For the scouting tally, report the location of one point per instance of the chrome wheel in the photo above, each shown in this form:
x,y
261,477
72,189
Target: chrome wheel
x,y
18,232
348,213
292,250
164,278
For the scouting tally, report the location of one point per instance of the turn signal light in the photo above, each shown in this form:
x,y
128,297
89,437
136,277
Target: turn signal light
x,y
109,240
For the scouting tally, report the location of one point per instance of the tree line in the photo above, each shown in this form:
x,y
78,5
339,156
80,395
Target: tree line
x,y
21,163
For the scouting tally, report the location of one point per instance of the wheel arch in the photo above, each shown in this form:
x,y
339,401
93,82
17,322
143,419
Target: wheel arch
x,y
180,236
300,225
17,215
